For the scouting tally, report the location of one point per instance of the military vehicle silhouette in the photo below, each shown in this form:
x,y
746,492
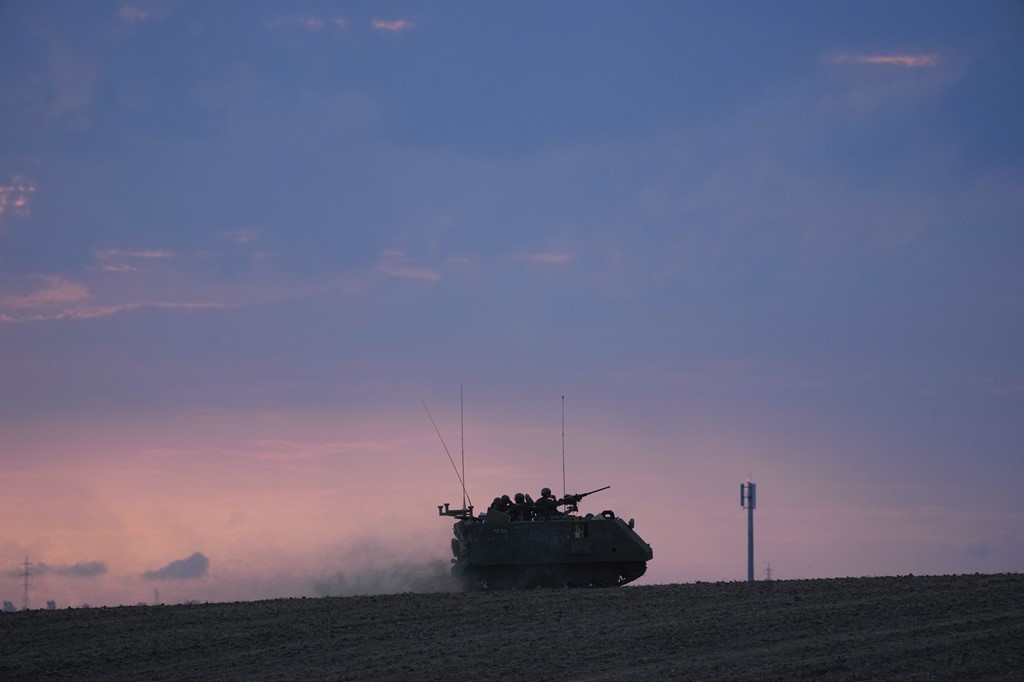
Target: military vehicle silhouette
x,y
536,546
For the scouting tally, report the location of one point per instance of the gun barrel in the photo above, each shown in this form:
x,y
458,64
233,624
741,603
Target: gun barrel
x,y
595,491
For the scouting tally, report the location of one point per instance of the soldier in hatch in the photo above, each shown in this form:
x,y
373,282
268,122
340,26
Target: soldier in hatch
x,y
547,505
521,510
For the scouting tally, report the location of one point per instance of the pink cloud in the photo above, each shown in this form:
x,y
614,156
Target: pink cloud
x,y
106,254
308,23
910,61
242,236
396,26
143,10
89,313
14,198
396,264
557,259
107,311
54,290
119,260
58,298
132,14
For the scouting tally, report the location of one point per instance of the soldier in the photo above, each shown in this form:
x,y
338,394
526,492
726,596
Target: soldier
x,y
547,505
521,510
504,504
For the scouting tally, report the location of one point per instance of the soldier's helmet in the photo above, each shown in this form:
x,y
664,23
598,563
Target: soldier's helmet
x,y
505,500
520,498
545,492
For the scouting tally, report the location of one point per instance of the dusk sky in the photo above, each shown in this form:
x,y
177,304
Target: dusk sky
x,y
240,242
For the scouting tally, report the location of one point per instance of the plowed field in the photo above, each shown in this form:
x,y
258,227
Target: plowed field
x,y
905,628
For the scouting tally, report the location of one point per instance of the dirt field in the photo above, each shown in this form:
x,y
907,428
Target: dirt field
x,y
906,628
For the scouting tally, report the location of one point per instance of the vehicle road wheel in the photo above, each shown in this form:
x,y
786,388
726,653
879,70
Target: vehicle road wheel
x,y
500,578
580,576
471,581
606,575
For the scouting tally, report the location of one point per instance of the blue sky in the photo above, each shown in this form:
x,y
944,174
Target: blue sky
x,y
239,243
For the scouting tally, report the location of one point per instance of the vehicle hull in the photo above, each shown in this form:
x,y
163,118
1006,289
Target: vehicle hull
x,y
572,551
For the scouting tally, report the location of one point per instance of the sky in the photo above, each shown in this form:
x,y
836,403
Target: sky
x,y
243,246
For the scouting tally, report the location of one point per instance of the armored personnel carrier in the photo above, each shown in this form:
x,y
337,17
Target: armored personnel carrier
x,y
540,546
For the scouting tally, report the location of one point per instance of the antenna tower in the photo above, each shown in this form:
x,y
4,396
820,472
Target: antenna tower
x,y
748,500
26,584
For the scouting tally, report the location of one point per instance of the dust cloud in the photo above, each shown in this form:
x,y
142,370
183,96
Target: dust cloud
x,y
368,567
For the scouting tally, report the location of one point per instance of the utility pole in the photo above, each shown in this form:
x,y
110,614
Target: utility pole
x,y
748,500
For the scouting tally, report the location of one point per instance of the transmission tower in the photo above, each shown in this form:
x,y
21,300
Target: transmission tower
x,y
26,584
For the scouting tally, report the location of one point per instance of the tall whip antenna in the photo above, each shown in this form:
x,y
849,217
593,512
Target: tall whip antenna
x,y
563,446
462,435
462,482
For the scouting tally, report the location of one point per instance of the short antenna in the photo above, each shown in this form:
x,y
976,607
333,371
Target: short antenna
x,y
462,481
563,446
